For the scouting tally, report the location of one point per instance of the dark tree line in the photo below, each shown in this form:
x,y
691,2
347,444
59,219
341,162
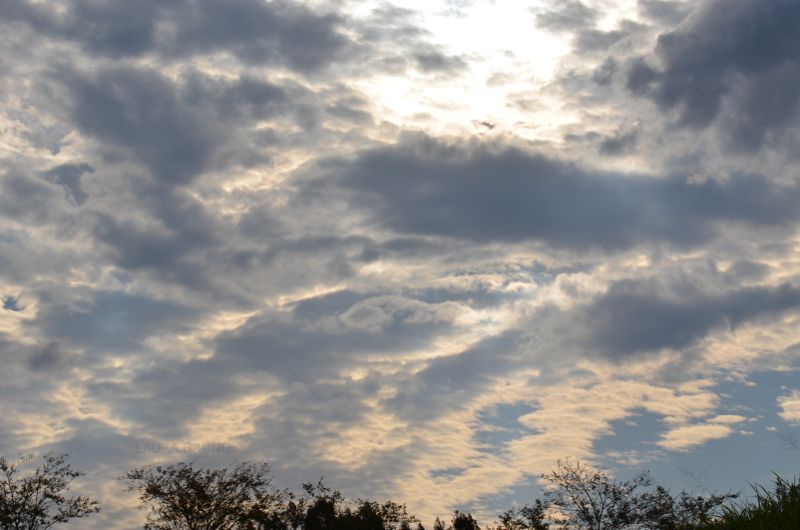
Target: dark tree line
x,y
184,497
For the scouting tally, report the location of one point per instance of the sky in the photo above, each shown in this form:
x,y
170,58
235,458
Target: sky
x,y
422,249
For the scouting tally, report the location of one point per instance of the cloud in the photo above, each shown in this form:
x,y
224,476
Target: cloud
x,y
572,15
733,61
620,143
580,20
162,400
494,193
450,383
691,436
106,28
667,12
790,407
634,317
438,62
314,41
47,358
594,41
259,33
27,198
109,322
170,234
174,128
394,41
315,343
279,33
224,231
334,333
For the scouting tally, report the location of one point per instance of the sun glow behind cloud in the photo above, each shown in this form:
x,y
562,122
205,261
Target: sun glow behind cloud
x,y
506,54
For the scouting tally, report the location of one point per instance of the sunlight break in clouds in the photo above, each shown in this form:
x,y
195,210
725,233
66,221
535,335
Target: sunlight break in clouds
x,y
422,249
790,407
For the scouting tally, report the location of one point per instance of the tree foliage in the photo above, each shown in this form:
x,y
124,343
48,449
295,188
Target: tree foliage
x,y
662,511
328,510
581,498
529,517
463,521
38,500
590,499
182,497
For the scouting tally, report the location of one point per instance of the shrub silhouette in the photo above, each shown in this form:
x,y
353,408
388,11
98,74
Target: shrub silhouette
x,y
778,509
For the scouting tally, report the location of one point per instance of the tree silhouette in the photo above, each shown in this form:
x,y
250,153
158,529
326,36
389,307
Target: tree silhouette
x,y
463,521
323,505
38,500
590,499
580,498
181,497
529,517
662,511
328,510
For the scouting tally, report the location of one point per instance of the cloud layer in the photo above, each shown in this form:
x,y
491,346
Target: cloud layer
x,y
351,240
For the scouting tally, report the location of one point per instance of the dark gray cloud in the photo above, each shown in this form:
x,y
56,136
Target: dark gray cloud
x,y
93,445
448,383
68,176
174,129
105,28
168,253
280,32
394,41
305,348
438,62
26,199
620,143
746,270
163,399
666,12
595,41
326,334
576,18
259,32
48,357
572,15
635,317
493,193
740,55
108,321
603,74
310,417
176,238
